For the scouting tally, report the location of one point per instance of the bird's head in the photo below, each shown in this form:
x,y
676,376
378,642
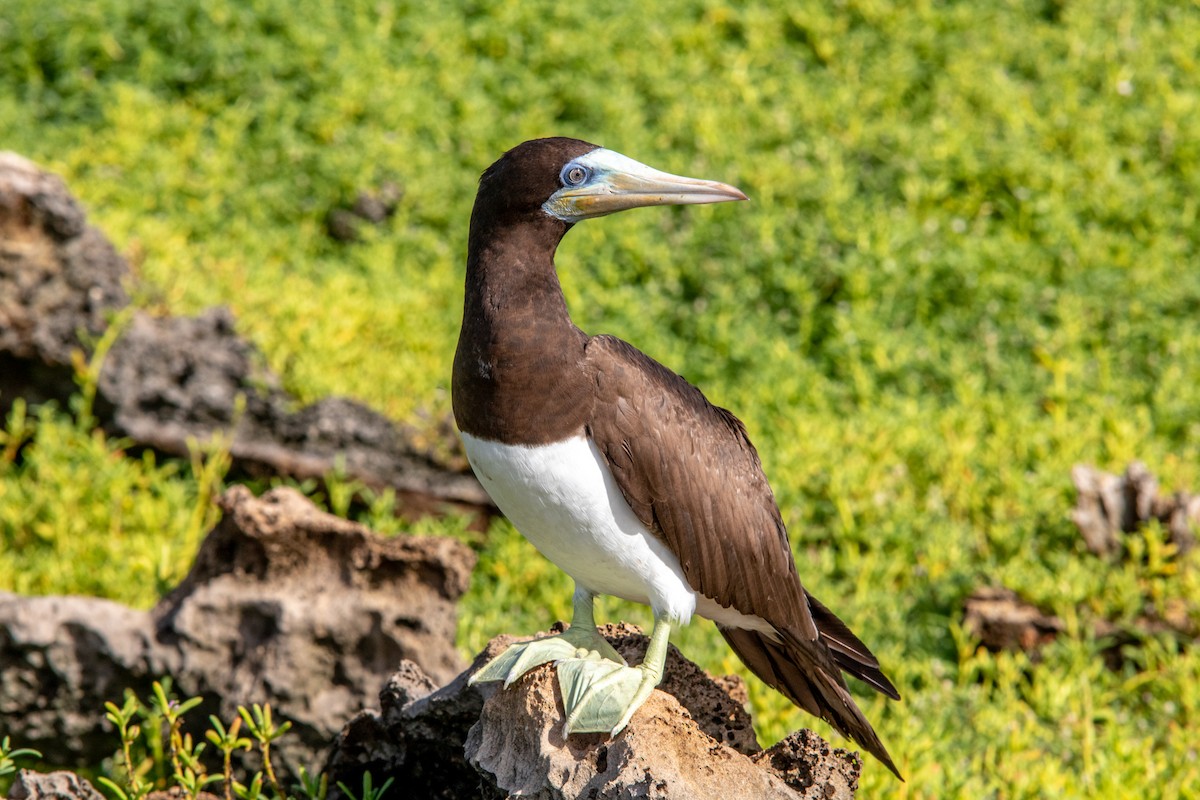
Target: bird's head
x,y
571,180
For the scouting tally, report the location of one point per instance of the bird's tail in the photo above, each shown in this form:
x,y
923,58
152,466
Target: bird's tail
x,y
848,650
808,674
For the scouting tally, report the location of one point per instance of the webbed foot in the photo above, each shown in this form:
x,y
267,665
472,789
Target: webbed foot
x,y
600,691
580,643
600,696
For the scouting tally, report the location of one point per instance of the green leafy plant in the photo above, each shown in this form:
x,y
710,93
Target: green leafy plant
x,y
253,791
177,760
227,741
369,792
265,731
18,430
313,787
87,368
129,731
171,711
9,757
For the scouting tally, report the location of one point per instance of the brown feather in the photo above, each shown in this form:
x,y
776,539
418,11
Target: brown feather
x,y
692,477
803,673
848,651
690,473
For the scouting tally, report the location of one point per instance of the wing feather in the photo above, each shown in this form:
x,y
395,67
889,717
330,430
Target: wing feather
x,y
691,475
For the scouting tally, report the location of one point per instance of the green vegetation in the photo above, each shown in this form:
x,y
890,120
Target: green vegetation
x,y
970,261
150,747
9,757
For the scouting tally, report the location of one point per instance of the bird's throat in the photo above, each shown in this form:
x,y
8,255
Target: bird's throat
x,y
517,370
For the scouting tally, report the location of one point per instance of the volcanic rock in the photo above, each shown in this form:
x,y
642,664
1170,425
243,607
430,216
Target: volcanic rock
x,y
31,785
491,742
284,604
168,383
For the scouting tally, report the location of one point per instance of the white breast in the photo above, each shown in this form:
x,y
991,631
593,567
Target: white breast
x,y
564,499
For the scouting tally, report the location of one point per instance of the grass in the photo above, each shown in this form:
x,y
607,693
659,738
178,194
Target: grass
x,y
970,261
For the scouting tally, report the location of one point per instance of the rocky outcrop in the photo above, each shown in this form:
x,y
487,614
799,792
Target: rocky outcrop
x,y
1001,620
368,208
168,381
59,276
59,280
284,604
690,740
31,785
61,658
1109,505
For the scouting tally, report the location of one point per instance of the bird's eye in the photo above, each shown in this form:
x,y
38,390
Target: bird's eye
x,y
574,175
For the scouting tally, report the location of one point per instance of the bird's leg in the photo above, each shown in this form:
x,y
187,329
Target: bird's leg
x,y
580,642
601,697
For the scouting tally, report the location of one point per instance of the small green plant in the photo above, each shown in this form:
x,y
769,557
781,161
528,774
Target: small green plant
x,y
313,787
369,792
8,758
171,711
187,769
251,792
264,730
19,430
129,731
161,734
87,370
227,742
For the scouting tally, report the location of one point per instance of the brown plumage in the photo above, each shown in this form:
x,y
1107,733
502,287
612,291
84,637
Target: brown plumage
x,y
689,472
524,374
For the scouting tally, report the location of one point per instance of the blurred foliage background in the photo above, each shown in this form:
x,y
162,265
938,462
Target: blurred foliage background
x,y
970,262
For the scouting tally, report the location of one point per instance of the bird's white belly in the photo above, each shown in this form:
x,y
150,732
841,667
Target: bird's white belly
x,y
563,498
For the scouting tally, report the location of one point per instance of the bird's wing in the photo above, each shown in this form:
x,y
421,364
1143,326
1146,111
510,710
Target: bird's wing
x,y
691,476
673,453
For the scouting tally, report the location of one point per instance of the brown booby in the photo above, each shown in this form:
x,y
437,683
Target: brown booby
x,y
620,471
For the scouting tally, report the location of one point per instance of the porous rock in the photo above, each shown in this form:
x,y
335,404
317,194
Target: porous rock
x,y
812,767
491,742
289,603
61,658
1002,620
31,785
285,604
59,279
169,382
1109,505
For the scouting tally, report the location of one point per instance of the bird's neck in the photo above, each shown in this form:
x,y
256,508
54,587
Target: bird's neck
x,y
517,370
511,276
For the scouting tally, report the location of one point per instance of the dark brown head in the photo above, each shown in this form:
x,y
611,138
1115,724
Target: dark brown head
x,y
517,375
569,180
521,181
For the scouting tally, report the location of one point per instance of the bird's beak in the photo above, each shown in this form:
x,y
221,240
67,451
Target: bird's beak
x,y
612,182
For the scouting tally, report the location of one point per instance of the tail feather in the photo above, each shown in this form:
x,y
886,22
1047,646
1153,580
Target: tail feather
x,y
808,673
848,650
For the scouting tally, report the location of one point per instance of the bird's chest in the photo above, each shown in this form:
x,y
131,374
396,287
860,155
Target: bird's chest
x,y
516,386
564,500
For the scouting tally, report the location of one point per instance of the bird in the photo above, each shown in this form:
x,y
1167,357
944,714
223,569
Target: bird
x,y
620,471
